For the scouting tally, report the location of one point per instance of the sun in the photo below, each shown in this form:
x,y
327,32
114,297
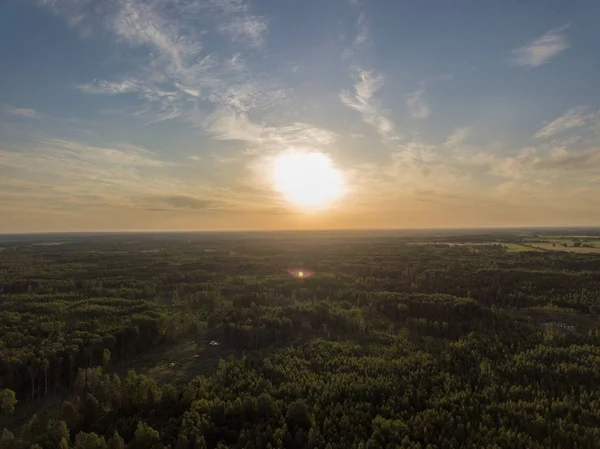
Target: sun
x,y
307,179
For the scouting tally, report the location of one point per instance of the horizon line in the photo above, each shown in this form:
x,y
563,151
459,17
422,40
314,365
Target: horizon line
x,y
182,231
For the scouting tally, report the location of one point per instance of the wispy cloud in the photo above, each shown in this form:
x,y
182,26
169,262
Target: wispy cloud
x,y
226,124
367,83
573,118
247,30
542,49
561,159
78,13
183,202
416,104
121,181
229,6
251,94
178,68
361,38
21,112
140,23
546,165
457,137
120,155
110,88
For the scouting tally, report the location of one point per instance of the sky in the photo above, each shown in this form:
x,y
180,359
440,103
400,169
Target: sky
x,y
124,115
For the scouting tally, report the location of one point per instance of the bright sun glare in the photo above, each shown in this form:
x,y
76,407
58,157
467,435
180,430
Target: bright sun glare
x,y
307,179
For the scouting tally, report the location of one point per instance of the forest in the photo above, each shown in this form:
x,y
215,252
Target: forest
x,y
323,340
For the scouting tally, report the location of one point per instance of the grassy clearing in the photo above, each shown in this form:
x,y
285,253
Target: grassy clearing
x,y
517,247
573,249
510,247
178,363
543,315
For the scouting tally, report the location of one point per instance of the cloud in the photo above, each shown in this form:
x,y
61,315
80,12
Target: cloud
x,y
111,88
542,49
515,167
77,159
178,68
69,174
139,23
416,104
123,180
249,95
361,39
564,160
229,6
79,13
121,154
248,30
457,137
226,124
22,112
367,83
573,118
432,195
186,202
535,176
362,34
546,167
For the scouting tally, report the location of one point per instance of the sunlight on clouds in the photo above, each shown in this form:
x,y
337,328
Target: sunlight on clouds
x,y
367,83
542,49
574,118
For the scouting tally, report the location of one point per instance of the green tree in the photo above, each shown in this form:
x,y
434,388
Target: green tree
x,y
8,400
116,442
57,431
85,440
106,359
297,415
69,414
7,440
145,437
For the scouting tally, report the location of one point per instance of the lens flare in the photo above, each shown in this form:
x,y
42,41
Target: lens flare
x,y
300,273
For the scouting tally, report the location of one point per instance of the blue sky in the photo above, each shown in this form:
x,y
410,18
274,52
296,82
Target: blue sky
x,y
167,114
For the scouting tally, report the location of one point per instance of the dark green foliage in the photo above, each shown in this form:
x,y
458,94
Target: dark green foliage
x,y
7,440
388,345
7,401
116,442
89,441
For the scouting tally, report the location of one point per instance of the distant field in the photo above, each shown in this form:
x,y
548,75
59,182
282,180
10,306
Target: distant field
x,y
545,315
573,249
517,248
510,247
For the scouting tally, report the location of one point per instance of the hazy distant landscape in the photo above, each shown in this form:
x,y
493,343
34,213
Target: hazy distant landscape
x,y
327,339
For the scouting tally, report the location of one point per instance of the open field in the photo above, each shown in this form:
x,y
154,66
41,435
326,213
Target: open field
x,y
517,247
177,363
522,241
573,249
